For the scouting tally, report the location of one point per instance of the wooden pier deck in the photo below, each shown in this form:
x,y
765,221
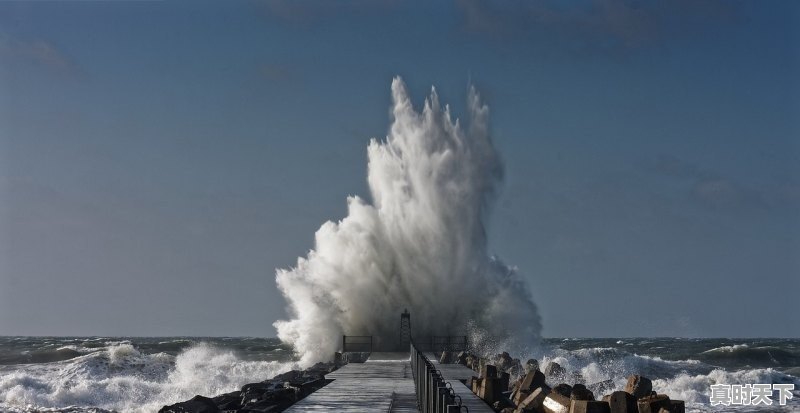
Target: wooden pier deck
x,y
383,384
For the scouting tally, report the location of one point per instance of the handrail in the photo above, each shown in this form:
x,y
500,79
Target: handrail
x,y
357,344
434,395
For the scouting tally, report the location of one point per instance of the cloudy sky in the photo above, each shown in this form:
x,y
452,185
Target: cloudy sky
x,y
158,160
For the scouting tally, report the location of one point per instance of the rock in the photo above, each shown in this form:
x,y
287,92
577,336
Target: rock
x,y
622,402
445,358
639,386
577,377
462,358
476,384
652,404
530,365
563,389
601,387
677,406
581,393
556,403
588,406
532,380
555,372
488,370
228,401
533,402
504,362
198,404
504,380
488,389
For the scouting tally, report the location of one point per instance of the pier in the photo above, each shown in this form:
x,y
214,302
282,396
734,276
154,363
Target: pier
x,y
385,383
400,381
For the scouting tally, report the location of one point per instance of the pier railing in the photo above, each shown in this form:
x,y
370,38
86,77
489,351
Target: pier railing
x,y
434,394
361,344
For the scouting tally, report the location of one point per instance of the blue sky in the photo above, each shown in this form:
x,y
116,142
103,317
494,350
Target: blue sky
x,y
158,160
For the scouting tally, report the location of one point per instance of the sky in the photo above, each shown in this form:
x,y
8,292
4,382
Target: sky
x,y
159,160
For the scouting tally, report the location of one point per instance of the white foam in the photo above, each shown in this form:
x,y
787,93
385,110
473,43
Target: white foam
x,y
121,378
420,244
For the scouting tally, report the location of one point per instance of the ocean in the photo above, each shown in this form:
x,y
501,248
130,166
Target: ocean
x,y
141,374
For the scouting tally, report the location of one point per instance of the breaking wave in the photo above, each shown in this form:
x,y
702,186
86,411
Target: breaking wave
x,y
420,244
120,378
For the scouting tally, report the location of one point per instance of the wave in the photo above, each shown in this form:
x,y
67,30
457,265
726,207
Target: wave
x,y
743,354
687,380
120,378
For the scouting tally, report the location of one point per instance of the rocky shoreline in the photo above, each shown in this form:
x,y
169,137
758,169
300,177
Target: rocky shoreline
x,y
509,386
271,395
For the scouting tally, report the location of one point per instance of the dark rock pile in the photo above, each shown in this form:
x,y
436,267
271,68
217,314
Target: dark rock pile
x,y
273,395
530,392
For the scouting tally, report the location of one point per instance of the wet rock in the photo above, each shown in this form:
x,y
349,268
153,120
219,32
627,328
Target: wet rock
x,y
556,403
198,404
228,401
677,406
622,402
530,365
563,389
580,392
533,402
488,370
588,406
601,387
555,372
445,358
653,404
462,358
639,386
532,380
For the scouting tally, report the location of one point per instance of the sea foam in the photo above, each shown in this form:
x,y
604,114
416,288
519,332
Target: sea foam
x,y
121,378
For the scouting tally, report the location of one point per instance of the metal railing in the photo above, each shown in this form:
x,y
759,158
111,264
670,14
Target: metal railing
x,y
442,343
360,344
434,394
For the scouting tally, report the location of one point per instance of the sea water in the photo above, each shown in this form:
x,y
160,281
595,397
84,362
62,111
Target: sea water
x,y
141,374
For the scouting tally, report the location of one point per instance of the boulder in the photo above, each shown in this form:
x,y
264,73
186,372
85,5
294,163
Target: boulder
x,y
581,393
228,401
588,406
622,402
533,402
677,406
601,387
488,370
462,358
531,365
198,404
653,404
556,403
639,386
563,389
555,372
532,380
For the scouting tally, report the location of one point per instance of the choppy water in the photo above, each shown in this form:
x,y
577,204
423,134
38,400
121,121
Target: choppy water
x,y
84,374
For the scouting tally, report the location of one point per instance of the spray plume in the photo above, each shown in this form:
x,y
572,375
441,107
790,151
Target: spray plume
x,y
420,244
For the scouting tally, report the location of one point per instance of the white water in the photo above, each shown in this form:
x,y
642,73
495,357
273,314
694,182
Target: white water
x,y
420,244
121,378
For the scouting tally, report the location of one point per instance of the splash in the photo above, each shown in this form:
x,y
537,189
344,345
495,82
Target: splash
x,y
420,244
